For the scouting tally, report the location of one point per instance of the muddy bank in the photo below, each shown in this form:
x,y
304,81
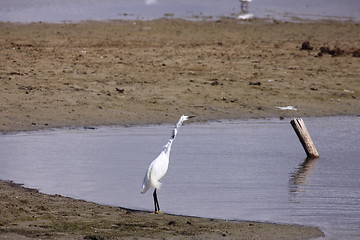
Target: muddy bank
x,y
135,72
26,213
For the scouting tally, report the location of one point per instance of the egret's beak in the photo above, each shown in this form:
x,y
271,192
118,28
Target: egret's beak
x,y
191,116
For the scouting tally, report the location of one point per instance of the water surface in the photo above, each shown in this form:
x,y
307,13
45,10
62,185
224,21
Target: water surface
x,y
79,10
245,170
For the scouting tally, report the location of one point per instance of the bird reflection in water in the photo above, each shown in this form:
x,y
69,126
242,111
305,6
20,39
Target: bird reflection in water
x,y
300,176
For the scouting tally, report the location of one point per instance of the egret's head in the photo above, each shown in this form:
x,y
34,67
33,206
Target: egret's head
x,y
184,118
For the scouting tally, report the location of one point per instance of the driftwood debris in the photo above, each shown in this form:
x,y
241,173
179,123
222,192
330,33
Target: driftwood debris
x,y
304,137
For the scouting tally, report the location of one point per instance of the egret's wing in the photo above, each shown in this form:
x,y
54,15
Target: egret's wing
x,y
146,182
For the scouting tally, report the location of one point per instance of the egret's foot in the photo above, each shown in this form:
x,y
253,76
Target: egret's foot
x,y
158,212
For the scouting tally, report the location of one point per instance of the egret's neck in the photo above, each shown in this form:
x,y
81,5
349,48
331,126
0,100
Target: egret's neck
x,y
167,147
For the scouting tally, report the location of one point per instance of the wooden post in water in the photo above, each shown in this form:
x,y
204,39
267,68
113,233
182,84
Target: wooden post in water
x,y
304,137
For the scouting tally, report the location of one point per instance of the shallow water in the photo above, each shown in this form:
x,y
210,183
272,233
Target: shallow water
x,y
246,170
79,10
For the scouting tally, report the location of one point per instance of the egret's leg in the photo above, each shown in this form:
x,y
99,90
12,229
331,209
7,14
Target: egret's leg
x,y
156,202
155,199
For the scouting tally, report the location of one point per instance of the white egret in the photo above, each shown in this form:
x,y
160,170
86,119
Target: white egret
x,y
159,166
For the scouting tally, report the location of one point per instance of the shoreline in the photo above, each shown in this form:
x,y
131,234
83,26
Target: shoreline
x,y
32,214
132,73
209,19
101,126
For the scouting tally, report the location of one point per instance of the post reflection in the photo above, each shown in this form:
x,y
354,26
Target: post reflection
x,y
298,178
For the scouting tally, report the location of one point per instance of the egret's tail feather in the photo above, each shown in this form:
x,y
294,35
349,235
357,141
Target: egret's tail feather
x,y
149,183
144,188
146,184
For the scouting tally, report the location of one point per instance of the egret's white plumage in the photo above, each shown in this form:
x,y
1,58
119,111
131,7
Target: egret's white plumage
x,y
156,172
159,166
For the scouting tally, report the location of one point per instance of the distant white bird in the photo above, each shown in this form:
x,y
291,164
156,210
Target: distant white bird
x,y
244,5
159,166
150,2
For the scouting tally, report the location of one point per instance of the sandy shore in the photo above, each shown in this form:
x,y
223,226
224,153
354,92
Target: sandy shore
x,y
134,72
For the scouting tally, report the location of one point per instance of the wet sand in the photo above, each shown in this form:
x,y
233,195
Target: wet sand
x,y
135,72
26,213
